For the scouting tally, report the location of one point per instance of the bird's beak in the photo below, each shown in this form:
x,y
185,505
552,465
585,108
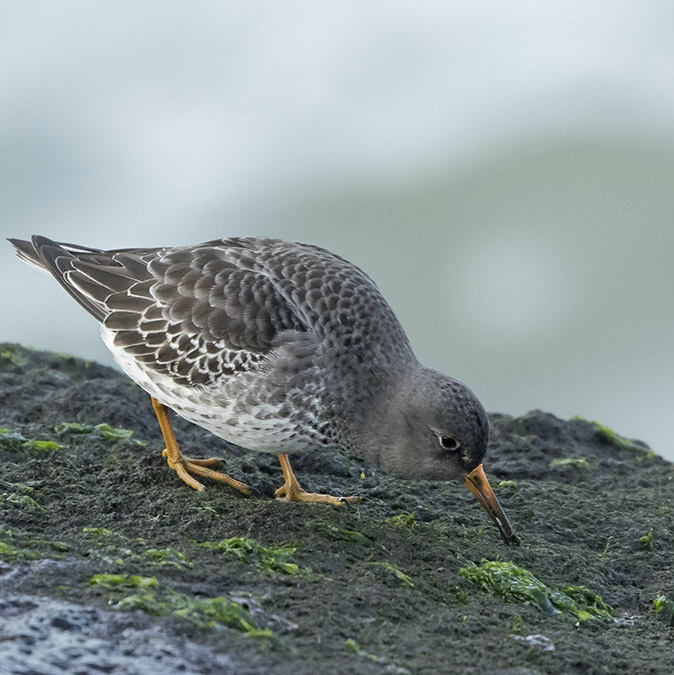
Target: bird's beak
x,y
478,484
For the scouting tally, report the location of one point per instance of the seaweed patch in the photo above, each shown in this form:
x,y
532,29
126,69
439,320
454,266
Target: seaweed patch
x,y
252,552
160,600
395,570
402,520
103,430
13,440
664,609
352,646
516,584
337,532
12,550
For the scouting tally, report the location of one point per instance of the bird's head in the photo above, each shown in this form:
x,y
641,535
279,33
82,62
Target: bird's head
x,y
433,427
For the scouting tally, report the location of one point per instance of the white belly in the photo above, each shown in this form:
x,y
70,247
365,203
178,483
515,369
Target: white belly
x,y
215,407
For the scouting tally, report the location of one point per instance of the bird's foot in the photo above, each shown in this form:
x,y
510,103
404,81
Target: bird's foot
x,y
292,492
201,467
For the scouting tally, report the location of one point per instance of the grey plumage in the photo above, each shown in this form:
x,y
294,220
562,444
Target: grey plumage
x,y
280,347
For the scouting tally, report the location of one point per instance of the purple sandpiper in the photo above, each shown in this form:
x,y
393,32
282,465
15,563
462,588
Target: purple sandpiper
x,y
278,347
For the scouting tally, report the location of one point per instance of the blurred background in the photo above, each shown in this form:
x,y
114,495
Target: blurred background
x,y
504,171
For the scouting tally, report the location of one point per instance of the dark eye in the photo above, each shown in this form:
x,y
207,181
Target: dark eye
x,y
449,443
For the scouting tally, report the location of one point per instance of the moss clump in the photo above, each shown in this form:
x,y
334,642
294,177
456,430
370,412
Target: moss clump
x,y
664,609
103,430
578,463
516,584
252,552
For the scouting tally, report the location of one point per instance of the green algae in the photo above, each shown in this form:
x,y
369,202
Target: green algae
x,y
28,486
252,552
113,433
402,520
510,484
382,614
112,581
23,501
73,428
61,546
646,541
13,440
11,353
352,646
516,584
112,548
578,463
337,532
102,533
10,552
664,609
164,556
607,435
104,430
41,446
7,436
395,570
206,613
17,545
159,600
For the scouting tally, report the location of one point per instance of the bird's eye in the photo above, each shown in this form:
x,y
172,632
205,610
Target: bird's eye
x,y
449,443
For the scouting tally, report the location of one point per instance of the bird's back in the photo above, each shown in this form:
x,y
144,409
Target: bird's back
x,y
197,313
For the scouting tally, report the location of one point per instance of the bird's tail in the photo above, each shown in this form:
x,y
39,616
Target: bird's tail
x,y
56,259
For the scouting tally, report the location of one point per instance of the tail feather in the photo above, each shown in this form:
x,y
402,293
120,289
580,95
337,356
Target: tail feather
x,y
91,276
57,259
27,253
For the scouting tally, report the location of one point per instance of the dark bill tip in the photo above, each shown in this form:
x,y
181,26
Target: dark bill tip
x,y
477,483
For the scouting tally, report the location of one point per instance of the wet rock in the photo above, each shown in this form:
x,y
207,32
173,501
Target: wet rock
x,y
382,574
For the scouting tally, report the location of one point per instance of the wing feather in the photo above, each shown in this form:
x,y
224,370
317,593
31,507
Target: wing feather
x,y
198,313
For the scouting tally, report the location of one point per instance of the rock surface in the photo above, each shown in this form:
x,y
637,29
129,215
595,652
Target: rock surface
x,y
218,583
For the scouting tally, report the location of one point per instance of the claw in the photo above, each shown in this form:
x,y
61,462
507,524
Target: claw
x,y
188,468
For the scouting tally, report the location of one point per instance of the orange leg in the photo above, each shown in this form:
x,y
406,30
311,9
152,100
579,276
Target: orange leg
x,y
291,491
183,466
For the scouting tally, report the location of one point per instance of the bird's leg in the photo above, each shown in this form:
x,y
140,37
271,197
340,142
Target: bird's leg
x,y
184,466
291,491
